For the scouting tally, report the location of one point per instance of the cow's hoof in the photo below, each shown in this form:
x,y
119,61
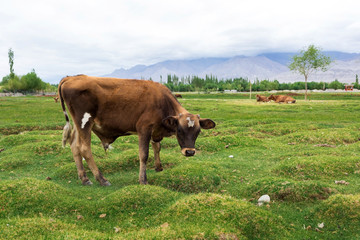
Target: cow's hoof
x,y
87,182
159,169
105,183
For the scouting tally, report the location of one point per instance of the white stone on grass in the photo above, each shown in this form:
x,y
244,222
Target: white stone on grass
x,y
263,199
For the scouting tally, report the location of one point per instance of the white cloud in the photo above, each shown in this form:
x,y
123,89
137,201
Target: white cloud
x,y
94,37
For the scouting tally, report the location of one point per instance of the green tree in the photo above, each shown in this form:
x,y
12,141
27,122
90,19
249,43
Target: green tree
x,y
175,80
14,84
356,85
170,86
11,62
197,83
297,86
308,62
169,80
284,86
336,85
5,80
32,82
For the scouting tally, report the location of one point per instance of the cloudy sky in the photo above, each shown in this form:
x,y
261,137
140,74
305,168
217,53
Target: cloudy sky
x,y
95,37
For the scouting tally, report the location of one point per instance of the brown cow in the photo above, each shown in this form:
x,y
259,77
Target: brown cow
x,y
282,99
260,98
178,95
112,107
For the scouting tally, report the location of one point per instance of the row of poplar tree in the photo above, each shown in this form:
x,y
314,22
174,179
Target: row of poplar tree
x,y
212,83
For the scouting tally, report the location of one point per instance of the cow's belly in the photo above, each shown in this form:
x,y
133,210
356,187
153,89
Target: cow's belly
x,y
111,131
108,136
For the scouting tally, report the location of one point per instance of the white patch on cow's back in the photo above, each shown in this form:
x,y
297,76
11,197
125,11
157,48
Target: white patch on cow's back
x,y
190,122
85,119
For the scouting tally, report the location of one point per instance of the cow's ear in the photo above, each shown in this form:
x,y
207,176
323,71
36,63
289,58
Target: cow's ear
x,y
170,123
207,123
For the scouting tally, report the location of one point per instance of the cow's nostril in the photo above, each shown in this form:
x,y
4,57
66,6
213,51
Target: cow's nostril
x,y
190,153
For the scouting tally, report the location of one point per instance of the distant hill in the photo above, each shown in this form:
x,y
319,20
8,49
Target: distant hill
x,y
264,66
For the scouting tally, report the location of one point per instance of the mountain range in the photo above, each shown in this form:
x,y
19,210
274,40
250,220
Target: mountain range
x,y
269,66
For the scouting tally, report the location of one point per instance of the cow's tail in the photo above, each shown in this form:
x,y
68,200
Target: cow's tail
x,y
67,128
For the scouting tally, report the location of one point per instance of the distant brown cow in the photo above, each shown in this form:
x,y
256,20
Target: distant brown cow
x,y
56,99
282,99
112,107
260,98
178,96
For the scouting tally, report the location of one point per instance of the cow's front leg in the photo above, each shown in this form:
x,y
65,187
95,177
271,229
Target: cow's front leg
x,y
157,147
144,140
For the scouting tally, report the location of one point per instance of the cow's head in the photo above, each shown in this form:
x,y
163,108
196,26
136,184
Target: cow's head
x,y
187,128
271,97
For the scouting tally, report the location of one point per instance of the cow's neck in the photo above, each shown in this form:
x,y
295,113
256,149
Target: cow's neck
x,y
177,108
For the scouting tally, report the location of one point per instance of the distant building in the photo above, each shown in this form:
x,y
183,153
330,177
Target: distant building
x,y
349,87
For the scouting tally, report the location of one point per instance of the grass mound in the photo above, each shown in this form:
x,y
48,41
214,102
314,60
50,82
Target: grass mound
x,y
146,195
218,143
44,228
279,129
138,202
192,177
319,166
216,215
29,196
285,190
340,213
333,136
341,207
111,163
15,160
31,149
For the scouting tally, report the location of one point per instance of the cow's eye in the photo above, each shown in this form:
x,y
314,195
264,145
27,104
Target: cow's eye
x,y
180,131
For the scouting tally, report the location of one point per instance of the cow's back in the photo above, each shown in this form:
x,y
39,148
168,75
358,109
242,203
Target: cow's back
x,y
285,99
114,88
117,103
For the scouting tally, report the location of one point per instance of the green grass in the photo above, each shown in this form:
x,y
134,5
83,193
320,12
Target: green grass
x,y
292,152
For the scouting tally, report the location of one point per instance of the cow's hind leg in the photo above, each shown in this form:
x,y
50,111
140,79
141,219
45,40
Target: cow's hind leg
x,y
78,159
157,147
85,151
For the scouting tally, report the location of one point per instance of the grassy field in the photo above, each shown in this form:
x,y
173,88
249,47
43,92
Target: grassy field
x,y
293,153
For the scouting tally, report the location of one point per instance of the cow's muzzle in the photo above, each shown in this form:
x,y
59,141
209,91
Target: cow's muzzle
x,y
188,152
